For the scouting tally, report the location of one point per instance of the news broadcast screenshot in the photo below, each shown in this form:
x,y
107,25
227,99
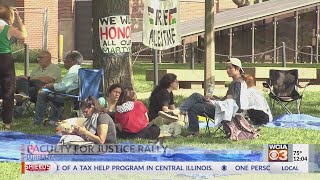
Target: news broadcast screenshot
x,y
160,89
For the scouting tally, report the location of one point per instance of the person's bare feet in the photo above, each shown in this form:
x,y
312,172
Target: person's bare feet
x,y
7,126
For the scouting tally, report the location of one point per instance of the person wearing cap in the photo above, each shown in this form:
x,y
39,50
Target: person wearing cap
x,y
198,104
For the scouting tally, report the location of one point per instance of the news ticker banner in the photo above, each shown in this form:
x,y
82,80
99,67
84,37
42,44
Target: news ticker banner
x,y
276,158
167,167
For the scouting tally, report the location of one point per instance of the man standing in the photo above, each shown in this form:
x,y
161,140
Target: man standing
x,y
69,84
27,87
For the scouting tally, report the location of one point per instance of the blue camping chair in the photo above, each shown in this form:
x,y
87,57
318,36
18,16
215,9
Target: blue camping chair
x,y
91,81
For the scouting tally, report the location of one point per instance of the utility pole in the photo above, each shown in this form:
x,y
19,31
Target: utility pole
x,y
209,44
117,66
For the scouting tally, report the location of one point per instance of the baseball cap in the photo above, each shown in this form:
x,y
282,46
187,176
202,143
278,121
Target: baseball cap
x,y
236,62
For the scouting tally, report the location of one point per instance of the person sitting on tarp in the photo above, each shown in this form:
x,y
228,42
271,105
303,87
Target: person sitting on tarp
x,y
131,117
110,102
99,127
258,110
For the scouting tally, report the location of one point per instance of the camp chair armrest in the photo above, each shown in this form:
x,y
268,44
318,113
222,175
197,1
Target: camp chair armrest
x,y
266,85
308,84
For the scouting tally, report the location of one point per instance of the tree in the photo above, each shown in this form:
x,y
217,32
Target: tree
x,y
118,66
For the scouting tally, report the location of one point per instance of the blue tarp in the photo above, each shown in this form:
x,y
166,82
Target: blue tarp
x,y
295,121
11,143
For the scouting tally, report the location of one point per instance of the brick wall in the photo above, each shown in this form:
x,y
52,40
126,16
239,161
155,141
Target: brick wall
x,y
33,20
66,8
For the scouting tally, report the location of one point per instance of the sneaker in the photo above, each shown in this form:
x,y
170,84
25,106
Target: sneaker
x,y
165,131
168,115
159,121
174,129
6,127
21,97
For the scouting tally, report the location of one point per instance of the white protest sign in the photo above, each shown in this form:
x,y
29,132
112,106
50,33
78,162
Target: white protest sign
x,y
161,24
115,34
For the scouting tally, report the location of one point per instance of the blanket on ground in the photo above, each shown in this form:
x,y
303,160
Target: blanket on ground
x,y
11,143
295,121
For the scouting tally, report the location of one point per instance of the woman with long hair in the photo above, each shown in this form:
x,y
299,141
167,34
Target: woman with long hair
x,y
258,111
110,102
131,117
161,98
99,127
7,70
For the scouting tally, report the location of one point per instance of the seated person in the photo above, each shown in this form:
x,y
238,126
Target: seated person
x,y
197,104
258,110
69,84
99,127
27,87
131,117
162,98
110,102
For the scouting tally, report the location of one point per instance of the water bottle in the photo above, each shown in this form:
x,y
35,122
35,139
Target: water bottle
x,y
210,91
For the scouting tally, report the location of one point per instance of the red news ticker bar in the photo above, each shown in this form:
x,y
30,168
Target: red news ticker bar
x,y
22,160
22,167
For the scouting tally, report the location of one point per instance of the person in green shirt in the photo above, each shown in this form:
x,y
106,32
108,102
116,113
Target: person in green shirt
x,y
7,70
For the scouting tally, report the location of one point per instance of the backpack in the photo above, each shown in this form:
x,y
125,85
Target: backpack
x,y
239,129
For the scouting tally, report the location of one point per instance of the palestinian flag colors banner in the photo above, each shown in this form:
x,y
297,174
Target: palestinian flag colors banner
x,y
161,24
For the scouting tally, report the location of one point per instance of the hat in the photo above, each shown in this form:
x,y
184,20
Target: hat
x,y
236,62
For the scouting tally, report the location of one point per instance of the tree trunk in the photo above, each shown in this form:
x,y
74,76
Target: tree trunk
x,y
117,66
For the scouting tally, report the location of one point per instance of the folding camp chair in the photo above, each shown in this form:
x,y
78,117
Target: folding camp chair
x,y
90,83
283,86
208,120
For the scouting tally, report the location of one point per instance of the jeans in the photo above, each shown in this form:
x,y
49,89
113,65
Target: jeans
x,y
195,105
42,105
7,79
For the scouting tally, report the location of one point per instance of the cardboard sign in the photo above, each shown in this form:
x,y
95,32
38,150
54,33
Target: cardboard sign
x,y
115,34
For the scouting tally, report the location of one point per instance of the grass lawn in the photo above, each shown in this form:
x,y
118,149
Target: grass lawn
x,y
310,105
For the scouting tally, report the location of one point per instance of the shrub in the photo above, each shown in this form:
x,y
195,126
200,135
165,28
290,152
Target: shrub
x,y
18,53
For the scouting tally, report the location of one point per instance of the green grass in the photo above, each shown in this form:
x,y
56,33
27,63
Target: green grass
x,y
10,171
310,105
